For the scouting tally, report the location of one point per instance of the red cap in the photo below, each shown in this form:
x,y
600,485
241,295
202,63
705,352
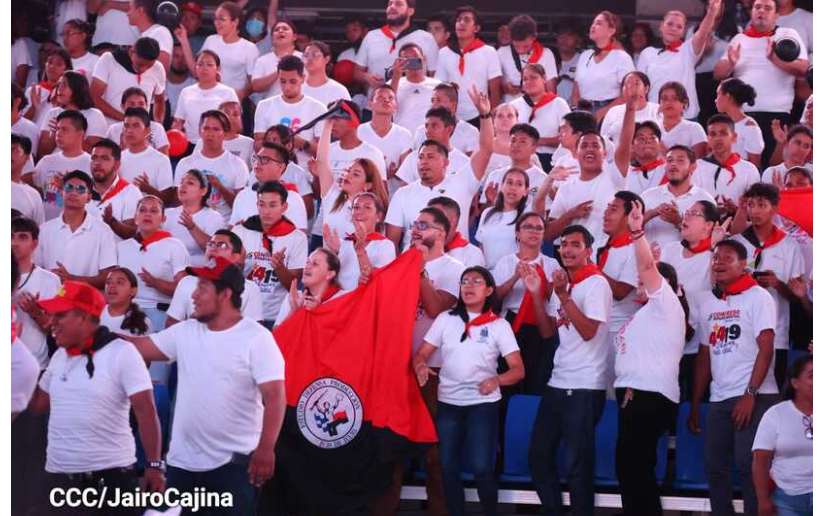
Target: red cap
x,y
222,270
193,7
75,295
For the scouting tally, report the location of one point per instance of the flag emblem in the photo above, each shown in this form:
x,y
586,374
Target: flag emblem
x,y
329,413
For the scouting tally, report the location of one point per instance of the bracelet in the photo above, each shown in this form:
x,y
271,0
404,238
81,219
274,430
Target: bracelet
x,y
636,235
485,116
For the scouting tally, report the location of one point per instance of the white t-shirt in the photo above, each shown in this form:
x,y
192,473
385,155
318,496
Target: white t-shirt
x,y
114,322
686,132
85,64
174,89
730,328
414,99
749,138
93,411
162,35
497,235
663,66
535,175
612,122
330,91
504,270
802,21
27,128
774,87
726,184
206,219
468,254
408,171
468,363
694,276
656,229
24,372
602,81
162,259
275,111
649,345
241,146
246,205
621,267
237,59
395,143
113,27
546,121
580,364
782,168
637,183
87,251
228,168
27,201
181,307
782,431
219,410
258,264
45,105
567,73
43,284
786,261
48,175
124,203
480,67
118,79
465,137
95,121
340,159
194,101
157,135
377,52
379,252
296,175
409,200
149,161
265,65
444,274
512,74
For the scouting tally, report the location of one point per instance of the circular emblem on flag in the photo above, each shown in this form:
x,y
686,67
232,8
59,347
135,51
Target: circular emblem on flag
x,y
329,413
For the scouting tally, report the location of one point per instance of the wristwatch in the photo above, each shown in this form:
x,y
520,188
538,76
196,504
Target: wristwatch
x,y
751,391
157,464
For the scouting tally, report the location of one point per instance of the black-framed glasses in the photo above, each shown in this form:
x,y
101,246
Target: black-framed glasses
x,y
264,160
70,188
217,245
473,281
420,225
530,227
809,427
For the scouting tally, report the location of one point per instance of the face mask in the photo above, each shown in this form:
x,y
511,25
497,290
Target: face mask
x,y
254,27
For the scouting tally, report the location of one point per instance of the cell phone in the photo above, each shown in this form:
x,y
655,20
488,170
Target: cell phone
x,y
757,274
413,63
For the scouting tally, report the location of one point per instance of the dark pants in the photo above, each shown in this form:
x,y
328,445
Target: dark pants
x,y
29,496
537,354
724,444
474,429
780,363
706,91
764,119
229,478
115,478
641,422
570,415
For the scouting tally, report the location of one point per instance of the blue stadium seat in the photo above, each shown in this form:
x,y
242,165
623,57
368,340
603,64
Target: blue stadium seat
x,y
690,451
518,426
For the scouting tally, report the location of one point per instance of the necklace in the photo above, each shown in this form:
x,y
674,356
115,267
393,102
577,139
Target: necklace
x,y
70,362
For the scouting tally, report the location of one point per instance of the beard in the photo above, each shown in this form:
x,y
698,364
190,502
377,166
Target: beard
x,y
179,71
677,181
398,21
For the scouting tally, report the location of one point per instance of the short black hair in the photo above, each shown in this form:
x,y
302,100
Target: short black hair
x,y
684,148
581,121
131,91
234,240
721,118
439,216
79,174
736,246
468,9
678,88
627,198
446,202
140,114
218,115
291,63
526,129
147,48
800,170
148,7
438,145
443,114
648,124
443,20
709,211
522,27
449,88
282,151
273,187
106,143
799,129
589,133
765,191
25,225
583,231
75,117
641,76
23,141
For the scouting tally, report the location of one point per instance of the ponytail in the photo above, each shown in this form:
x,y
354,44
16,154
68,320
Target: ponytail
x,y
135,321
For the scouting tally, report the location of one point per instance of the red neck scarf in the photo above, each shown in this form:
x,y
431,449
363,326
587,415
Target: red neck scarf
x,y
604,50
330,291
701,247
457,242
79,350
774,238
371,237
157,236
743,283
536,53
113,190
281,228
526,310
673,46
732,160
290,186
543,101
46,85
751,32
591,269
620,240
645,168
482,319
474,45
390,34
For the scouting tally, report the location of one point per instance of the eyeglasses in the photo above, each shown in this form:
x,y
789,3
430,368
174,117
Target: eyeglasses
x,y
476,282
217,245
694,213
420,225
809,427
530,227
70,188
264,160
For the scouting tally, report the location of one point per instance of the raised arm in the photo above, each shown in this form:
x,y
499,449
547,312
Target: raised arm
x,y
649,275
622,155
703,33
322,167
146,347
481,157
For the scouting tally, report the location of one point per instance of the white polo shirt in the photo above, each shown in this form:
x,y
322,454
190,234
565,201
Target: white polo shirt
x,y
730,328
504,270
408,171
782,432
621,267
48,176
157,135
193,101
219,409
206,219
468,363
258,264
580,364
511,73
686,132
395,143
230,170
45,285
535,175
409,200
118,79
414,99
546,121
497,235
27,201
786,261
649,345
749,138
465,137
246,205
726,184
181,307
612,122
377,52
237,59
656,229
774,87
602,81
444,274
480,67
162,259
95,121
124,203
379,252
84,252
663,66
276,111
693,274
93,411
149,161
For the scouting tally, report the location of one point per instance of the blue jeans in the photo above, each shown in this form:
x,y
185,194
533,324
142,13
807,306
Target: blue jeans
x,y
793,505
474,429
570,415
229,478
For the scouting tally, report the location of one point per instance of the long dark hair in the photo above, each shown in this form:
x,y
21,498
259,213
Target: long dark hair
x,y
794,374
490,303
498,207
197,174
134,321
668,272
81,94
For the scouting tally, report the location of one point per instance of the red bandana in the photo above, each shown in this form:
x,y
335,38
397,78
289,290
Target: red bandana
x,y
290,186
673,46
390,34
536,53
774,238
457,242
582,274
157,236
701,247
474,45
279,229
115,189
732,160
78,350
751,32
371,237
644,168
526,311
543,101
329,292
620,240
743,283
46,85
610,46
484,318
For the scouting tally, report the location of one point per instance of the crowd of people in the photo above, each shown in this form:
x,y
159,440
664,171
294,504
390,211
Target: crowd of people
x,y
600,218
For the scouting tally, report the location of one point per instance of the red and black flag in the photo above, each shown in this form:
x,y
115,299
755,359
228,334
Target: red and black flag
x,y
353,404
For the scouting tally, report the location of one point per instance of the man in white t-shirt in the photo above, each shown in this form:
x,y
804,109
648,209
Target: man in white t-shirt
x,y
141,15
469,64
638,154
524,139
524,49
393,140
24,198
134,97
439,126
94,381
118,70
456,244
141,164
736,356
114,199
231,399
465,136
413,87
572,404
